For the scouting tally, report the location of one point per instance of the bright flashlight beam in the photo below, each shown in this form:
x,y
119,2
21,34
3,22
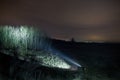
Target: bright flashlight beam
x,y
64,57
24,39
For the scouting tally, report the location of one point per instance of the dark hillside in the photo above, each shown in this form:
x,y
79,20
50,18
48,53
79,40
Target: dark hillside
x,y
100,61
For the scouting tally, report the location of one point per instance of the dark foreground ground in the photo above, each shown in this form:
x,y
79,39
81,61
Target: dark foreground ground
x,y
100,61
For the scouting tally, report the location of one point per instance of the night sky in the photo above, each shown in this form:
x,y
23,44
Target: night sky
x,y
84,20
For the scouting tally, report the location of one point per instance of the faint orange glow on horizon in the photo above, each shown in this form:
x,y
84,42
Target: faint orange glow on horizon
x,y
95,38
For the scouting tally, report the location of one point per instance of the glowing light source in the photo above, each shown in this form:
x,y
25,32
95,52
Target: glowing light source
x,y
69,60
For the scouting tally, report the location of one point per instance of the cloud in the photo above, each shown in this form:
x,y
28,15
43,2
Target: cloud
x,y
65,19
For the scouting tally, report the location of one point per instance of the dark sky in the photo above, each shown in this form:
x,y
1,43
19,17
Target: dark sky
x,y
85,20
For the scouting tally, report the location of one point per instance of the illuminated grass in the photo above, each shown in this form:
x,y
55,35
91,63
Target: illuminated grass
x,y
24,41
